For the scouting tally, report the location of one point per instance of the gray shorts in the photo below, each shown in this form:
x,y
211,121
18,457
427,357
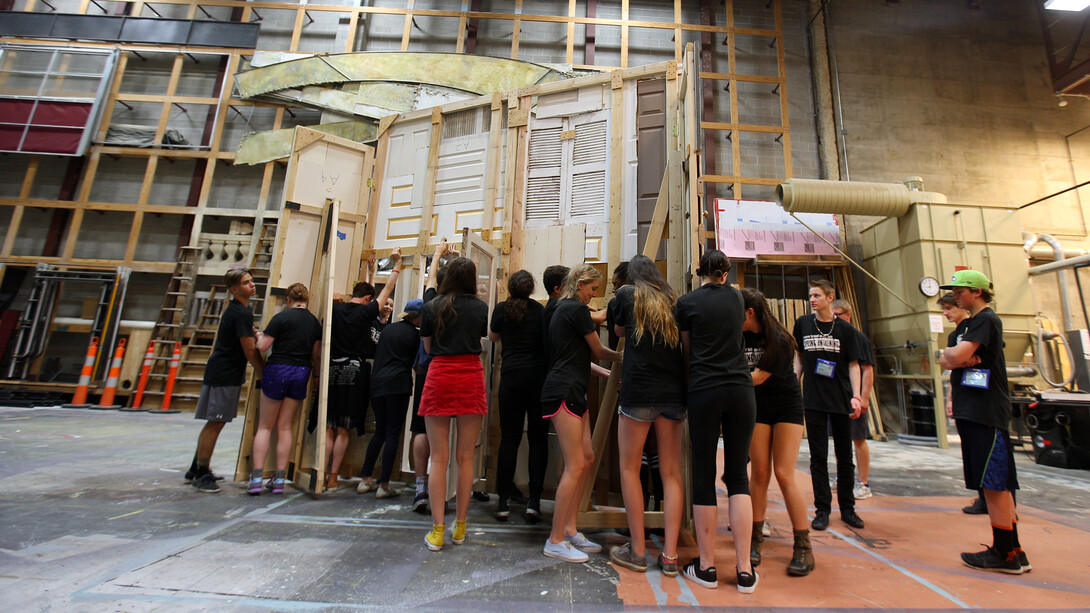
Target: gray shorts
x,y
218,402
861,428
650,414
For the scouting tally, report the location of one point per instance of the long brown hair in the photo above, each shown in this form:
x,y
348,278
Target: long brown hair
x,y
519,288
654,302
460,280
777,339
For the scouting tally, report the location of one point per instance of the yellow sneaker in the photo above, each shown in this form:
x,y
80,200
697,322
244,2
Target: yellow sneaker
x,y
434,539
458,532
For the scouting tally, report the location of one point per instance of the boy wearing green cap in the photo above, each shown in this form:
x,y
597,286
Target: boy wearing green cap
x,y
982,412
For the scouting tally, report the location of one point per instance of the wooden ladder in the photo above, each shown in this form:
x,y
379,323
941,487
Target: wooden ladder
x,y
170,324
260,266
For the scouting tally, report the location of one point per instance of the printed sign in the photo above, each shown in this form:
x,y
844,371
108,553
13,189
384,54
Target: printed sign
x,y
747,228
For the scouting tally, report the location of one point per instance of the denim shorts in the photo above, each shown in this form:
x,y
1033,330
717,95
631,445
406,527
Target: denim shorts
x,y
650,414
285,380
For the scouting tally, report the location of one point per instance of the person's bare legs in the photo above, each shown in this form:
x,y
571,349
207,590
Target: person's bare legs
x,y
439,441
760,469
1000,508
469,428
569,430
741,528
631,436
571,525
786,439
421,450
670,434
268,411
284,439
339,447
206,442
862,458
706,518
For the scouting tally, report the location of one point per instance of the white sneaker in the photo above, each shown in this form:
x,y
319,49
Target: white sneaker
x,y
861,491
582,543
766,529
564,551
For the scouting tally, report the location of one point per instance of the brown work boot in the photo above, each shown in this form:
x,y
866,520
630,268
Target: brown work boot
x,y
802,560
755,541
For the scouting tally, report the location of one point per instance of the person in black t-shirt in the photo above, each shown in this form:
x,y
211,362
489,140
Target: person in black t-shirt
x,y
421,450
777,435
555,279
453,326
957,316
517,325
391,387
710,320
295,337
982,412
573,341
828,363
860,427
350,347
224,374
652,394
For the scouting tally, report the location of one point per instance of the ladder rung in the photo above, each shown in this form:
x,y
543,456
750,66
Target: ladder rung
x,y
175,293
171,309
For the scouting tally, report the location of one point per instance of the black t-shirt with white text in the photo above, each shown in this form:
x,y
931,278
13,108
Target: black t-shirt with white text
x,y
462,331
394,356
653,373
713,315
832,345
990,406
781,388
294,333
351,333
227,364
569,355
523,342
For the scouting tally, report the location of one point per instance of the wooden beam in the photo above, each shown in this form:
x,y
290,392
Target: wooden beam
x,y
516,23
616,171
17,214
658,219
424,237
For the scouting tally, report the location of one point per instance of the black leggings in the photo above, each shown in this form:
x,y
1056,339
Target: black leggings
x,y
818,424
520,402
389,416
732,408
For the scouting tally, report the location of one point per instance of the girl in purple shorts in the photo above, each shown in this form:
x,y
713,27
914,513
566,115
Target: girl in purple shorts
x,y
294,335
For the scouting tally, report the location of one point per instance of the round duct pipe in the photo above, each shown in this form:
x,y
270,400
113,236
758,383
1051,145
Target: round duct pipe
x,y
852,198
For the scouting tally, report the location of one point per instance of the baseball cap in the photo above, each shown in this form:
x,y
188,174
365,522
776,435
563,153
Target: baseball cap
x,y
415,305
968,278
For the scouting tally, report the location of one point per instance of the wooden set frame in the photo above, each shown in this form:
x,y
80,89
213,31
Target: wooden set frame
x,y
222,104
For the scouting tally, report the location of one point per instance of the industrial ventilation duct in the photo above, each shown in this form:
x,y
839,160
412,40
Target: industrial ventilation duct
x,y
853,198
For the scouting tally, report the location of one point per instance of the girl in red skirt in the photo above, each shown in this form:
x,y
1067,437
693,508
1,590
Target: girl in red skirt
x,y
453,326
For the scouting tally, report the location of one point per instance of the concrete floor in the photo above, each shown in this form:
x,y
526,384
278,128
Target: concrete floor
x,y
94,517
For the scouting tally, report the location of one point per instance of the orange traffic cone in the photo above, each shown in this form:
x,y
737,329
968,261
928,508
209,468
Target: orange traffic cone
x,y
107,400
79,399
175,360
145,371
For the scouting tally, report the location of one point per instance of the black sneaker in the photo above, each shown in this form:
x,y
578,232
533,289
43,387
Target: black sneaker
x,y
979,507
533,511
420,503
206,483
747,582
707,578
502,512
481,497
821,521
851,519
1024,561
191,475
992,560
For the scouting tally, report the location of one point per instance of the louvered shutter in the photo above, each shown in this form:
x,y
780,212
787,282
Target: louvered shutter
x,y
543,177
589,162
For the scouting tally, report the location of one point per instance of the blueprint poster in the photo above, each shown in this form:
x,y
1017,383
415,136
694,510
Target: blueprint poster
x,y
747,228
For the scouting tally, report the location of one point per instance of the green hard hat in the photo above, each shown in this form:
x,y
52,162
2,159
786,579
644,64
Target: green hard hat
x,y
968,278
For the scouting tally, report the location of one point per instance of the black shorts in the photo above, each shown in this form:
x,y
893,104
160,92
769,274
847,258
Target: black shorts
x,y
772,413
861,428
550,409
987,457
416,425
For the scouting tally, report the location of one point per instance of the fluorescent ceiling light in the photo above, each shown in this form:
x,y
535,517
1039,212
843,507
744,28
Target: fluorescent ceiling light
x,y
1066,5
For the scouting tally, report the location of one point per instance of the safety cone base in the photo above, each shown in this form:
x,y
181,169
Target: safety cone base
x,y
133,409
105,407
76,406
162,411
